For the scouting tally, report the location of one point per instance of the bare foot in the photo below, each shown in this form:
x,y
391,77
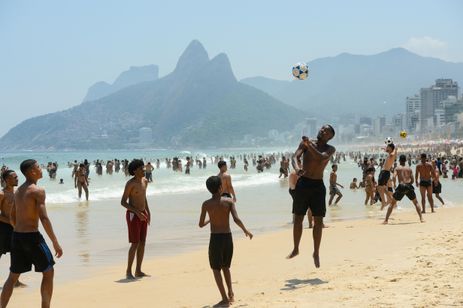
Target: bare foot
x,y
423,212
385,222
316,260
141,274
19,284
231,297
292,254
422,220
222,303
129,276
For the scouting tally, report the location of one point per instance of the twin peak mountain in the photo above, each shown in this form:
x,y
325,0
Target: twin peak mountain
x,y
200,103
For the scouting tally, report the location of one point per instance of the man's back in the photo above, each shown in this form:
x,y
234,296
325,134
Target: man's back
x,y
219,214
27,198
404,174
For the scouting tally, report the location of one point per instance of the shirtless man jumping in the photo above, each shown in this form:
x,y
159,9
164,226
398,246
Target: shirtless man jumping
x,y
227,187
385,175
310,189
138,215
28,245
405,187
425,172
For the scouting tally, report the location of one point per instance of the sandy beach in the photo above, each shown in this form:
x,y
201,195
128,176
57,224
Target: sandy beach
x,y
363,264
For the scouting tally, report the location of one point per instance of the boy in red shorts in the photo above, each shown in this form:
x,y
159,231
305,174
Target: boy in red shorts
x,y
138,215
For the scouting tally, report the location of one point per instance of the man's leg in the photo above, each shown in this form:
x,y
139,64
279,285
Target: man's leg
x,y
227,275
389,211
46,289
440,199
297,234
417,207
430,198
140,254
132,250
8,289
219,282
382,192
338,198
423,199
79,189
317,238
331,199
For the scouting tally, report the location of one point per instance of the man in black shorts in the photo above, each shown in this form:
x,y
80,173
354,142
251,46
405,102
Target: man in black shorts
x,y
405,188
310,189
28,246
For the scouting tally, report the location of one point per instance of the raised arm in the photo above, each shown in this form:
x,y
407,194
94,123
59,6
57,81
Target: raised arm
x,y
46,223
238,221
320,155
296,159
202,218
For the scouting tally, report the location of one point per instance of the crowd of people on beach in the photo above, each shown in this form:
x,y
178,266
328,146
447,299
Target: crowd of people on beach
x,y
21,209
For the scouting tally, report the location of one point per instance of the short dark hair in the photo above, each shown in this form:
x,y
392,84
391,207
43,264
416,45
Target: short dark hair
x,y
134,165
334,165
402,158
371,169
423,155
391,145
27,165
332,129
213,183
6,174
221,164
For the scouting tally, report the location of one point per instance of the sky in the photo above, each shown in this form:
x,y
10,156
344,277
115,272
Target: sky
x,y
51,52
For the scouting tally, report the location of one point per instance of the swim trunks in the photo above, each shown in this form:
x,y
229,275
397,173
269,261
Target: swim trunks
x,y
6,230
137,228
30,248
425,183
311,194
404,190
334,190
220,250
436,189
383,177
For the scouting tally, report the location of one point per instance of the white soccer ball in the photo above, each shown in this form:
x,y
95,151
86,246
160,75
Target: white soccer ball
x,y
388,140
300,71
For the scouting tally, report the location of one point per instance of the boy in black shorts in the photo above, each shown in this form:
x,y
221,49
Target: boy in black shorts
x,y
405,188
27,245
219,209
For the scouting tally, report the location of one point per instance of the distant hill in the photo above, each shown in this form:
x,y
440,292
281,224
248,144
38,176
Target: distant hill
x,y
200,103
134,75
360,84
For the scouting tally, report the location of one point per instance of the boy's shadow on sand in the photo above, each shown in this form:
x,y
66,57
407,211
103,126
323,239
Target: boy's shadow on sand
x,y
295,283
126,280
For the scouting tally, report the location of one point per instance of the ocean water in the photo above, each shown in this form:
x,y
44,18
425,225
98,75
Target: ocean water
x,y
93,234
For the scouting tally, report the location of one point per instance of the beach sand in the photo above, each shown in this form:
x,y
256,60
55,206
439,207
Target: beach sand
x,y
363,264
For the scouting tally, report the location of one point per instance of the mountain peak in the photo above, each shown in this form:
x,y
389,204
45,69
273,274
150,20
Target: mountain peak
x,y
194,56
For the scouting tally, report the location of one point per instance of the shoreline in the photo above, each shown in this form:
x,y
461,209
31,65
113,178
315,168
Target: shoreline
x,y
362,263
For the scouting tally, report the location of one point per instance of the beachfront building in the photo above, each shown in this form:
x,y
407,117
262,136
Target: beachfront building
x,y
412,112
431,99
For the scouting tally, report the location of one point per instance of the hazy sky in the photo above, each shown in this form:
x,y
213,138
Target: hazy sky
x,y
52,51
